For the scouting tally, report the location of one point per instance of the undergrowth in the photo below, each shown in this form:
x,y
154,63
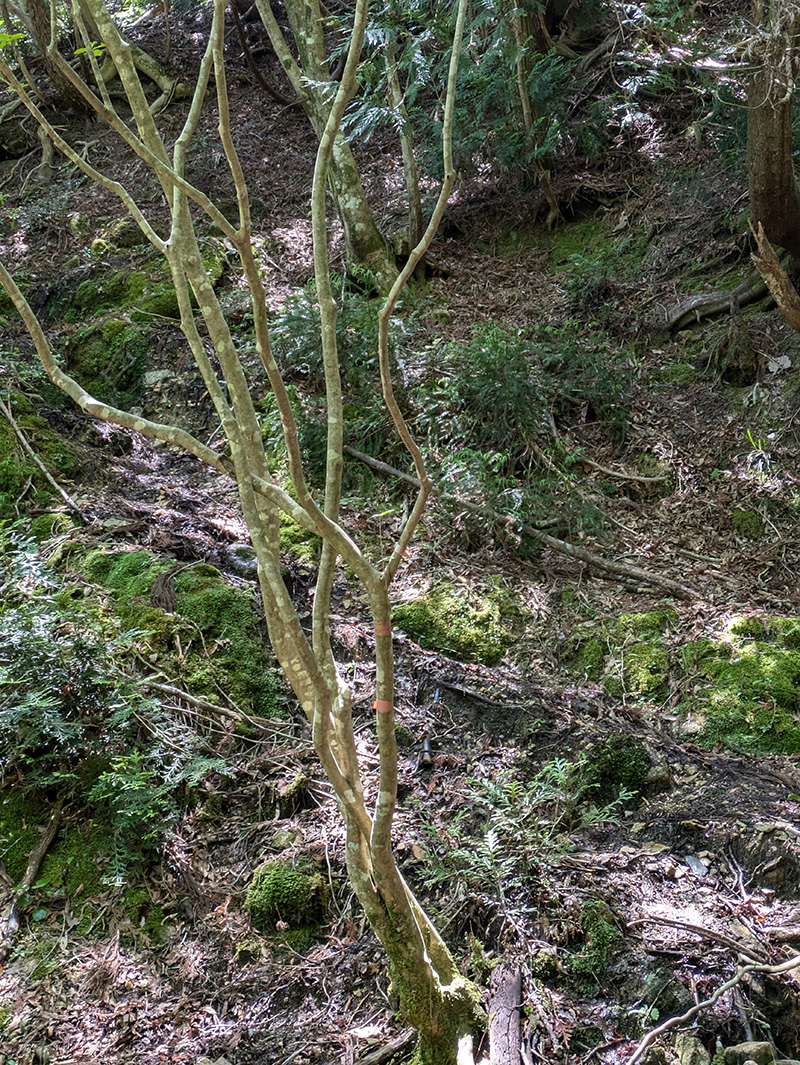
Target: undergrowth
x,y
74,728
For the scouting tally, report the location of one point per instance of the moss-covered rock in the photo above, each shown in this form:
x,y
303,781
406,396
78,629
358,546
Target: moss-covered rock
x,y
745,687
619,762
109,360
211,636
281,894
629,656
451,620
44,526
297,542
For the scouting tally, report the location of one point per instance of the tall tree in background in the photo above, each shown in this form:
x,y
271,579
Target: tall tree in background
x,y
434,997
775,54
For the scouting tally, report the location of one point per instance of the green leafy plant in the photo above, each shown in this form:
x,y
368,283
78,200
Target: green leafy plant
x,y
71,717
508,832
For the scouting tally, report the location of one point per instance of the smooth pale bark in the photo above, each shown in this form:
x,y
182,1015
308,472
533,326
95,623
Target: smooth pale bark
x,y
310,79
434,997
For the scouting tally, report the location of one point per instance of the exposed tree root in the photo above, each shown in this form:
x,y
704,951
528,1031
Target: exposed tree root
x,y
673,1022
9,921
619,569
707,304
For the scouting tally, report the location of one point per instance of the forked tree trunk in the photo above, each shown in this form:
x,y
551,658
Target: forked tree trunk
x,y
311,81
774,196
443,1005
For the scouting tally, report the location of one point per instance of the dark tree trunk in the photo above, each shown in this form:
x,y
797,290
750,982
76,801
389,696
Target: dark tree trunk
x,y
774,196
39,13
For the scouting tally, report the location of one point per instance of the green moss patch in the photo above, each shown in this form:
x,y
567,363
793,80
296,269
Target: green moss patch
x,y
145,914
21,480
109,360
288,898
741,688
628,656
207,630
298,542
451,620
621,762
744,689
601,936
748,523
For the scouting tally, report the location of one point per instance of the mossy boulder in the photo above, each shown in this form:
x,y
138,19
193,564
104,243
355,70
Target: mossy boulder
x,y
287,898
206,629
745,687
21,479
453,621
109,360
628,655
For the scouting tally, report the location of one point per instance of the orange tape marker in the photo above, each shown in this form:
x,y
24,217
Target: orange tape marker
x,y
383,706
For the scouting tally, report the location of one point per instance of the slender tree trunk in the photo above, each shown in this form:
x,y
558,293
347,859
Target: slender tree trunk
x,y
443,1005
774,196
310,78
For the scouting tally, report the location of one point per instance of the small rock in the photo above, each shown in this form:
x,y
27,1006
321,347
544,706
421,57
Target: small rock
x,y
690,1050
243,561
659,778
696,865
760,1053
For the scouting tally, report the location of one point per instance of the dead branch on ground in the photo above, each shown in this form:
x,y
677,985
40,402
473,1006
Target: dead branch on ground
x,y
618,569
9,922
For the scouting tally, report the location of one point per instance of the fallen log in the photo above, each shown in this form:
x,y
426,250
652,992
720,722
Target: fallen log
x,y
707,304
505,1004
563,547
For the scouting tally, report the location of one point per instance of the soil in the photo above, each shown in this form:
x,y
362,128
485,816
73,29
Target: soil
x,y
699,874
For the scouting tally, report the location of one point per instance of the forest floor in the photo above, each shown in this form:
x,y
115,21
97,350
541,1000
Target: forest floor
x,y
619,916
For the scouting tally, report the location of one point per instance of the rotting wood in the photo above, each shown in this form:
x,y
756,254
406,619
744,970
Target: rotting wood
x,y
776,279
388,1050
707,304
618,569
505,1003
9,922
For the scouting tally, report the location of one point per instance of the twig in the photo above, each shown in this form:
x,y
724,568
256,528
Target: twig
x,y
9,923
619,476
204,704
699,930
673,1022
620,569
6,412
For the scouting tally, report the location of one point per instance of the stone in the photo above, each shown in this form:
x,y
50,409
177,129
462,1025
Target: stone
x,y
690,1050
760,1053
